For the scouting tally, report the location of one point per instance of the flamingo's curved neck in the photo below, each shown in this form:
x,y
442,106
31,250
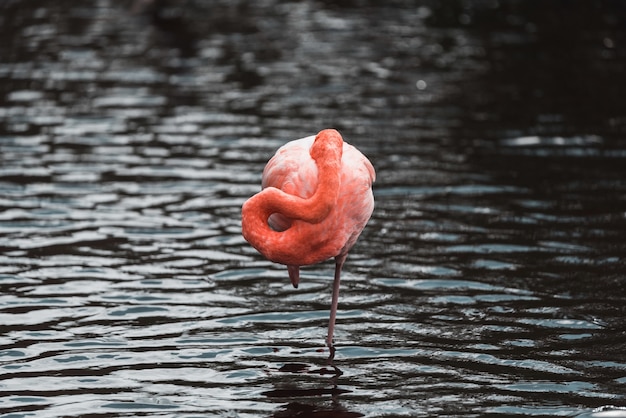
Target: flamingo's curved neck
x,y
286,247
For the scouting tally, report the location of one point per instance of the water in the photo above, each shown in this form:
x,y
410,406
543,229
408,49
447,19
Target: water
x,y
489,282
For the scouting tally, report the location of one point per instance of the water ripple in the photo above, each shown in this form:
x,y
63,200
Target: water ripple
x,y
489,280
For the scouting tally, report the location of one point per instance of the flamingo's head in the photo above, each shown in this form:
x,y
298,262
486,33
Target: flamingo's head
x,y
328,144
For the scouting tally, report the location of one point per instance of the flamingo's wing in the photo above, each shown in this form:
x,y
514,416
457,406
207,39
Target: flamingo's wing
x,y
292,169
357,161
370,168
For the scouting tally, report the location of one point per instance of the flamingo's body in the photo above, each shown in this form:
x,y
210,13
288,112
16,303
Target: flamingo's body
x,y
316,199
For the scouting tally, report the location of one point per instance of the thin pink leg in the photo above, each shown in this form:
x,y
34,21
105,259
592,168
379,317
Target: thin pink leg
x,y
339,260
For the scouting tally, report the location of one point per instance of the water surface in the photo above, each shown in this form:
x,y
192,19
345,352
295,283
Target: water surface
x,y
490,280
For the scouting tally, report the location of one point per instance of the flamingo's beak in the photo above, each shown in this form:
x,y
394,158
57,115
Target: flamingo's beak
x,y
294,275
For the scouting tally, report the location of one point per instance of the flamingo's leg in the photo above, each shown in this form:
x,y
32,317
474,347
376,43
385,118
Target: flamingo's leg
x,y
339,260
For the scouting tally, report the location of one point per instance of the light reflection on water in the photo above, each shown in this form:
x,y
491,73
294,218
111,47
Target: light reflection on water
x,y
488,282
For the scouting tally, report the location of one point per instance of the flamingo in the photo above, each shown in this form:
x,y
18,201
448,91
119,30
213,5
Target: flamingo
x,y
315,200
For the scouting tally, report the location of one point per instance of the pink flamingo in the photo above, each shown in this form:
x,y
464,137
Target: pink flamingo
x,y
316,199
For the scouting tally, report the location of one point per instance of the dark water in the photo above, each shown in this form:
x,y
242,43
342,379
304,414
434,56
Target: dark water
x,y
491,280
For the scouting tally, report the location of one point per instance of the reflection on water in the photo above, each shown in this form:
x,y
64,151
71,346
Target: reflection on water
x,y
490,280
